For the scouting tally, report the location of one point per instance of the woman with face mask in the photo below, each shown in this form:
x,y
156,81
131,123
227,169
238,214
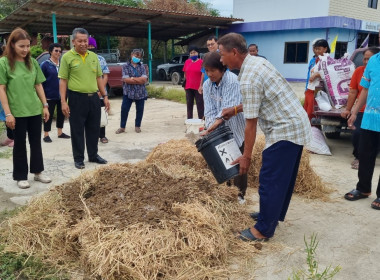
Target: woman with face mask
x,y
134,79
192,70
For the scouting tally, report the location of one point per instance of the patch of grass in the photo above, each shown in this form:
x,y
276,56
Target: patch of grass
x,y
6,153
312,272
14,266
172,94
6,214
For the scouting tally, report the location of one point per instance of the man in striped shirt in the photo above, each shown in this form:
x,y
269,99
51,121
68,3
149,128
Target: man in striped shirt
x,y
222,91
269,100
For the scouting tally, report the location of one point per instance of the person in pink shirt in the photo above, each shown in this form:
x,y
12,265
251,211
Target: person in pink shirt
x,y
192,70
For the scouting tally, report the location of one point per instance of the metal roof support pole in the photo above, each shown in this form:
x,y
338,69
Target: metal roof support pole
x,y
54,22
217,32
150,50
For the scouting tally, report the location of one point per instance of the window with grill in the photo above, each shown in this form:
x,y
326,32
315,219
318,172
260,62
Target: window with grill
x,y
296,52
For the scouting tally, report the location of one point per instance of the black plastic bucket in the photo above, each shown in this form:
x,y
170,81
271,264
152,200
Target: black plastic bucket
x,y
219,149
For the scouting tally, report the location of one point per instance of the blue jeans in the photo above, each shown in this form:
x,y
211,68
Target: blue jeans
x,y
277,179
126,106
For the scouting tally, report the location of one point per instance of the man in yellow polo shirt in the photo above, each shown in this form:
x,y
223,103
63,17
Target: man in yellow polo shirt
x,y
80,75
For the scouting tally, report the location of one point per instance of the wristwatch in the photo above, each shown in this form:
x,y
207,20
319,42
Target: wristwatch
x,y
46,105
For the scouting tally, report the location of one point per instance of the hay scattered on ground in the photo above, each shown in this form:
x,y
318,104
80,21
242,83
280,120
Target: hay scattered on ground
x,y
164,218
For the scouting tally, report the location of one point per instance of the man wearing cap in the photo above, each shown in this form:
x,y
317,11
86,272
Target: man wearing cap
x,y
81,76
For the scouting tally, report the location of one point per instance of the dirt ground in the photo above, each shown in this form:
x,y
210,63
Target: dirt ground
x,y
347,231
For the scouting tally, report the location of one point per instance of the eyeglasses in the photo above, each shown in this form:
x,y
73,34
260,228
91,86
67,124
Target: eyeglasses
x,y
210,45
58,51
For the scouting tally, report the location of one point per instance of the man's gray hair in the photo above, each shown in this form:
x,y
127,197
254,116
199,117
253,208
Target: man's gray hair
x,y
79,30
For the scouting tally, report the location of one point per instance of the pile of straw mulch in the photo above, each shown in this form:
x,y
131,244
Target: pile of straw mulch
x,y
164,218
129,221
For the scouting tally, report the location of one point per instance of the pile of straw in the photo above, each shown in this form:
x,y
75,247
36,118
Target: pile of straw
x,y
128,221
164,218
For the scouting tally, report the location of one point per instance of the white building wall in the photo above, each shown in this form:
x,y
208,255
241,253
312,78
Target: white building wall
x,y
266,10
357,9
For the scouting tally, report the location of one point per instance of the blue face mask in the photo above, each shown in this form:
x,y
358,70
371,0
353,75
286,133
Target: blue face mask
x,y
135,59
194,57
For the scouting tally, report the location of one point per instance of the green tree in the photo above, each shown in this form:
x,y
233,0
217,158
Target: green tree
x,y
8,6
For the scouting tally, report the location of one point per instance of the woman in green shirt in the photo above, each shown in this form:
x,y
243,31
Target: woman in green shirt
x,y
21,94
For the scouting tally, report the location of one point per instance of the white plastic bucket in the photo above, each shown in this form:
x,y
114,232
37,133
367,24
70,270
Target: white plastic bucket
x,y
194,125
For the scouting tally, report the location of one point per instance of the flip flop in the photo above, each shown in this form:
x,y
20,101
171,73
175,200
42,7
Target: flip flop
x,y
377,200
246,235
355,195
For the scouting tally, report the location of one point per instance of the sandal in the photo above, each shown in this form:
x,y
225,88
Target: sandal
x,y
246,235
120,130
104,140
355,195
377,200
355,164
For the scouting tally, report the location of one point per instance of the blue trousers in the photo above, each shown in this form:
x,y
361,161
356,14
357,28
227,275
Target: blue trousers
x,y
126,106
277,179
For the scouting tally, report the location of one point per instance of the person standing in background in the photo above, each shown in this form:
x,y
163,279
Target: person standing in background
x,y
50,69
21,95
81,77
9,140
353,95
103,65
192,72
254,50
212,46
134,79
369,142
320,47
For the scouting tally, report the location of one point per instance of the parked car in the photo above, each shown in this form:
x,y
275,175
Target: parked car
x,y
172,70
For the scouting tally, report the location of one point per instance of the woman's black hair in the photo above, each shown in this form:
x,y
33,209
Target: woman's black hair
x,y
373,50
212,60
322,43
194,48
54,45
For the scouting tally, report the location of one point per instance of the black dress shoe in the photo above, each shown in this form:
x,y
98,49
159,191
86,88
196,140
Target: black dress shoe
x,y
79,164
98,159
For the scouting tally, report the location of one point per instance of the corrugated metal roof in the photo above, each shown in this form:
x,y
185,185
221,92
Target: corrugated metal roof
x,y
115,20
